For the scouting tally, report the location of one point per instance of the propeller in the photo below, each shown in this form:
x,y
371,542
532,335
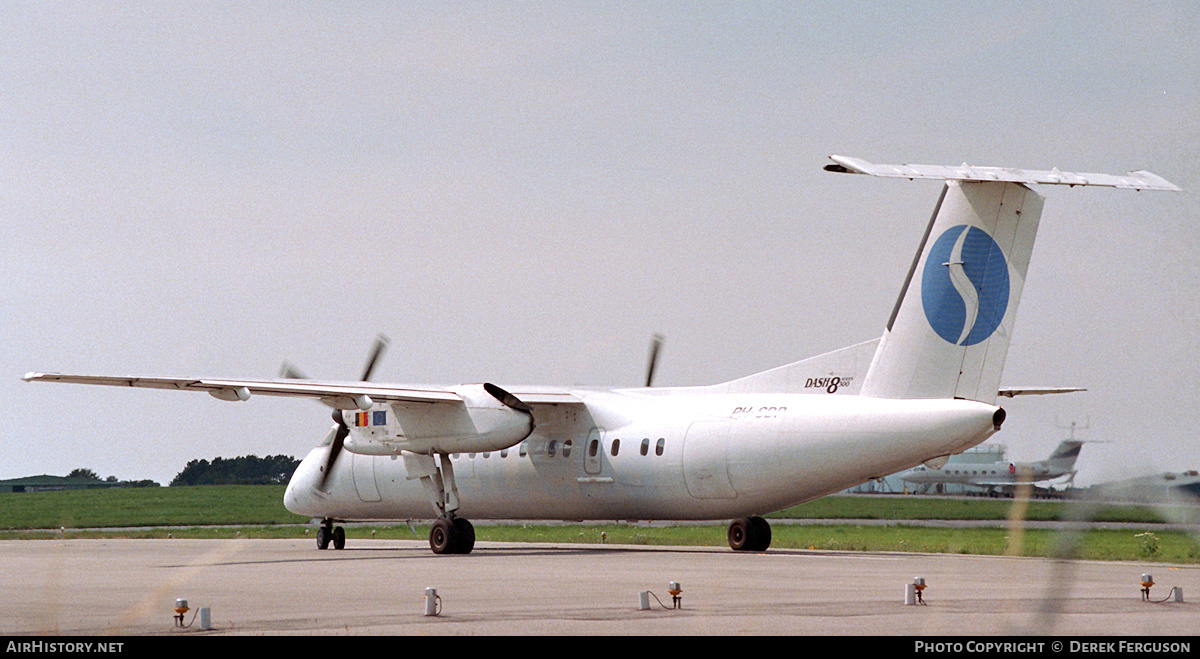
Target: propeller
x,y
341,431
655,347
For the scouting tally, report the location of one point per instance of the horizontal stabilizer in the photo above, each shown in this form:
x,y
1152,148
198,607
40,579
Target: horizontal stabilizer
x,y
1011,392
1139,180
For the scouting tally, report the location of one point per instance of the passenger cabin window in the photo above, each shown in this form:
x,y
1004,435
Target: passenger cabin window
x,y
504,453
522,450
551,448
658,448
567,449
616,447
593,448
645,446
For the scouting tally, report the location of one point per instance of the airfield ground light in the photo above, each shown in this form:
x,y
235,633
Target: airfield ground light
x,y
676,595
180,609
204,613
1147,581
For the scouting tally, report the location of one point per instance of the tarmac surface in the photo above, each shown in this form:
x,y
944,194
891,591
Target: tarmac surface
x,y
251,587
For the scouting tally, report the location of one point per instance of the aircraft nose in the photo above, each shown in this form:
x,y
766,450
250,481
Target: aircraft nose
x,y
289,497
299,496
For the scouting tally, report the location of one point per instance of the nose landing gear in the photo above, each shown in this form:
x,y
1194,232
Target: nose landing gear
x,y
328,533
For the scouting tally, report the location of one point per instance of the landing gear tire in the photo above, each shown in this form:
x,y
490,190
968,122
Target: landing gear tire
x,y
465,532
749,534
441,536
326,534
762,531
452,536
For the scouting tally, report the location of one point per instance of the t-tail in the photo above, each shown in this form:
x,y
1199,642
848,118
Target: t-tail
x,y
949,333
1063,458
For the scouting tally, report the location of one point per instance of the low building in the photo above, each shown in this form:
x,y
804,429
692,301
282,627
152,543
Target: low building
x,y
45,483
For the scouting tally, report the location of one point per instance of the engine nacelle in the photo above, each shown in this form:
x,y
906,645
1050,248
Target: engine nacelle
x,y
488,419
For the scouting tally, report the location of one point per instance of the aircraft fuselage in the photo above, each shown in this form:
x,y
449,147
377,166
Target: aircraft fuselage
x,y
659,454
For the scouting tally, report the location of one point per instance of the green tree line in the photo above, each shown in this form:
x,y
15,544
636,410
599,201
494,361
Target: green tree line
x,y
88,474
242,470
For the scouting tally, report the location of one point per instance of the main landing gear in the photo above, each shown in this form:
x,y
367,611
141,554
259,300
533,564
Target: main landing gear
x,y
749,534
328,533
452,535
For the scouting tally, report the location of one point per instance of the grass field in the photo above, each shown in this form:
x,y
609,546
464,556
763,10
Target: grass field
x,y
964,508
225,511
146,506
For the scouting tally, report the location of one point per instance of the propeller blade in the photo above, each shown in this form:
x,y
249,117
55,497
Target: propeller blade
x,y
655,347
335,448
506,398
290,372
381,343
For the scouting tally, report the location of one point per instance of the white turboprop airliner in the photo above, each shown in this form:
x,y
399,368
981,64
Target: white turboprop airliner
x,y
923,391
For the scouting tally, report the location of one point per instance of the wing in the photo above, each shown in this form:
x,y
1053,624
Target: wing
x,y
338,395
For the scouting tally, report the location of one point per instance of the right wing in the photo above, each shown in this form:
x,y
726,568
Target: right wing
x,y
338,395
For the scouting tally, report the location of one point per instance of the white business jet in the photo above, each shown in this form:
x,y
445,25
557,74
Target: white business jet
x,y
1003,476
923,391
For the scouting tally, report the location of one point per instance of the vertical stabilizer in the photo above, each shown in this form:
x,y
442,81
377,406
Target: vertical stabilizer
x,y
1064,457
949,334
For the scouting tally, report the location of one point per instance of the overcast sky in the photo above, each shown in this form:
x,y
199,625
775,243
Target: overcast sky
x,y
525,192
